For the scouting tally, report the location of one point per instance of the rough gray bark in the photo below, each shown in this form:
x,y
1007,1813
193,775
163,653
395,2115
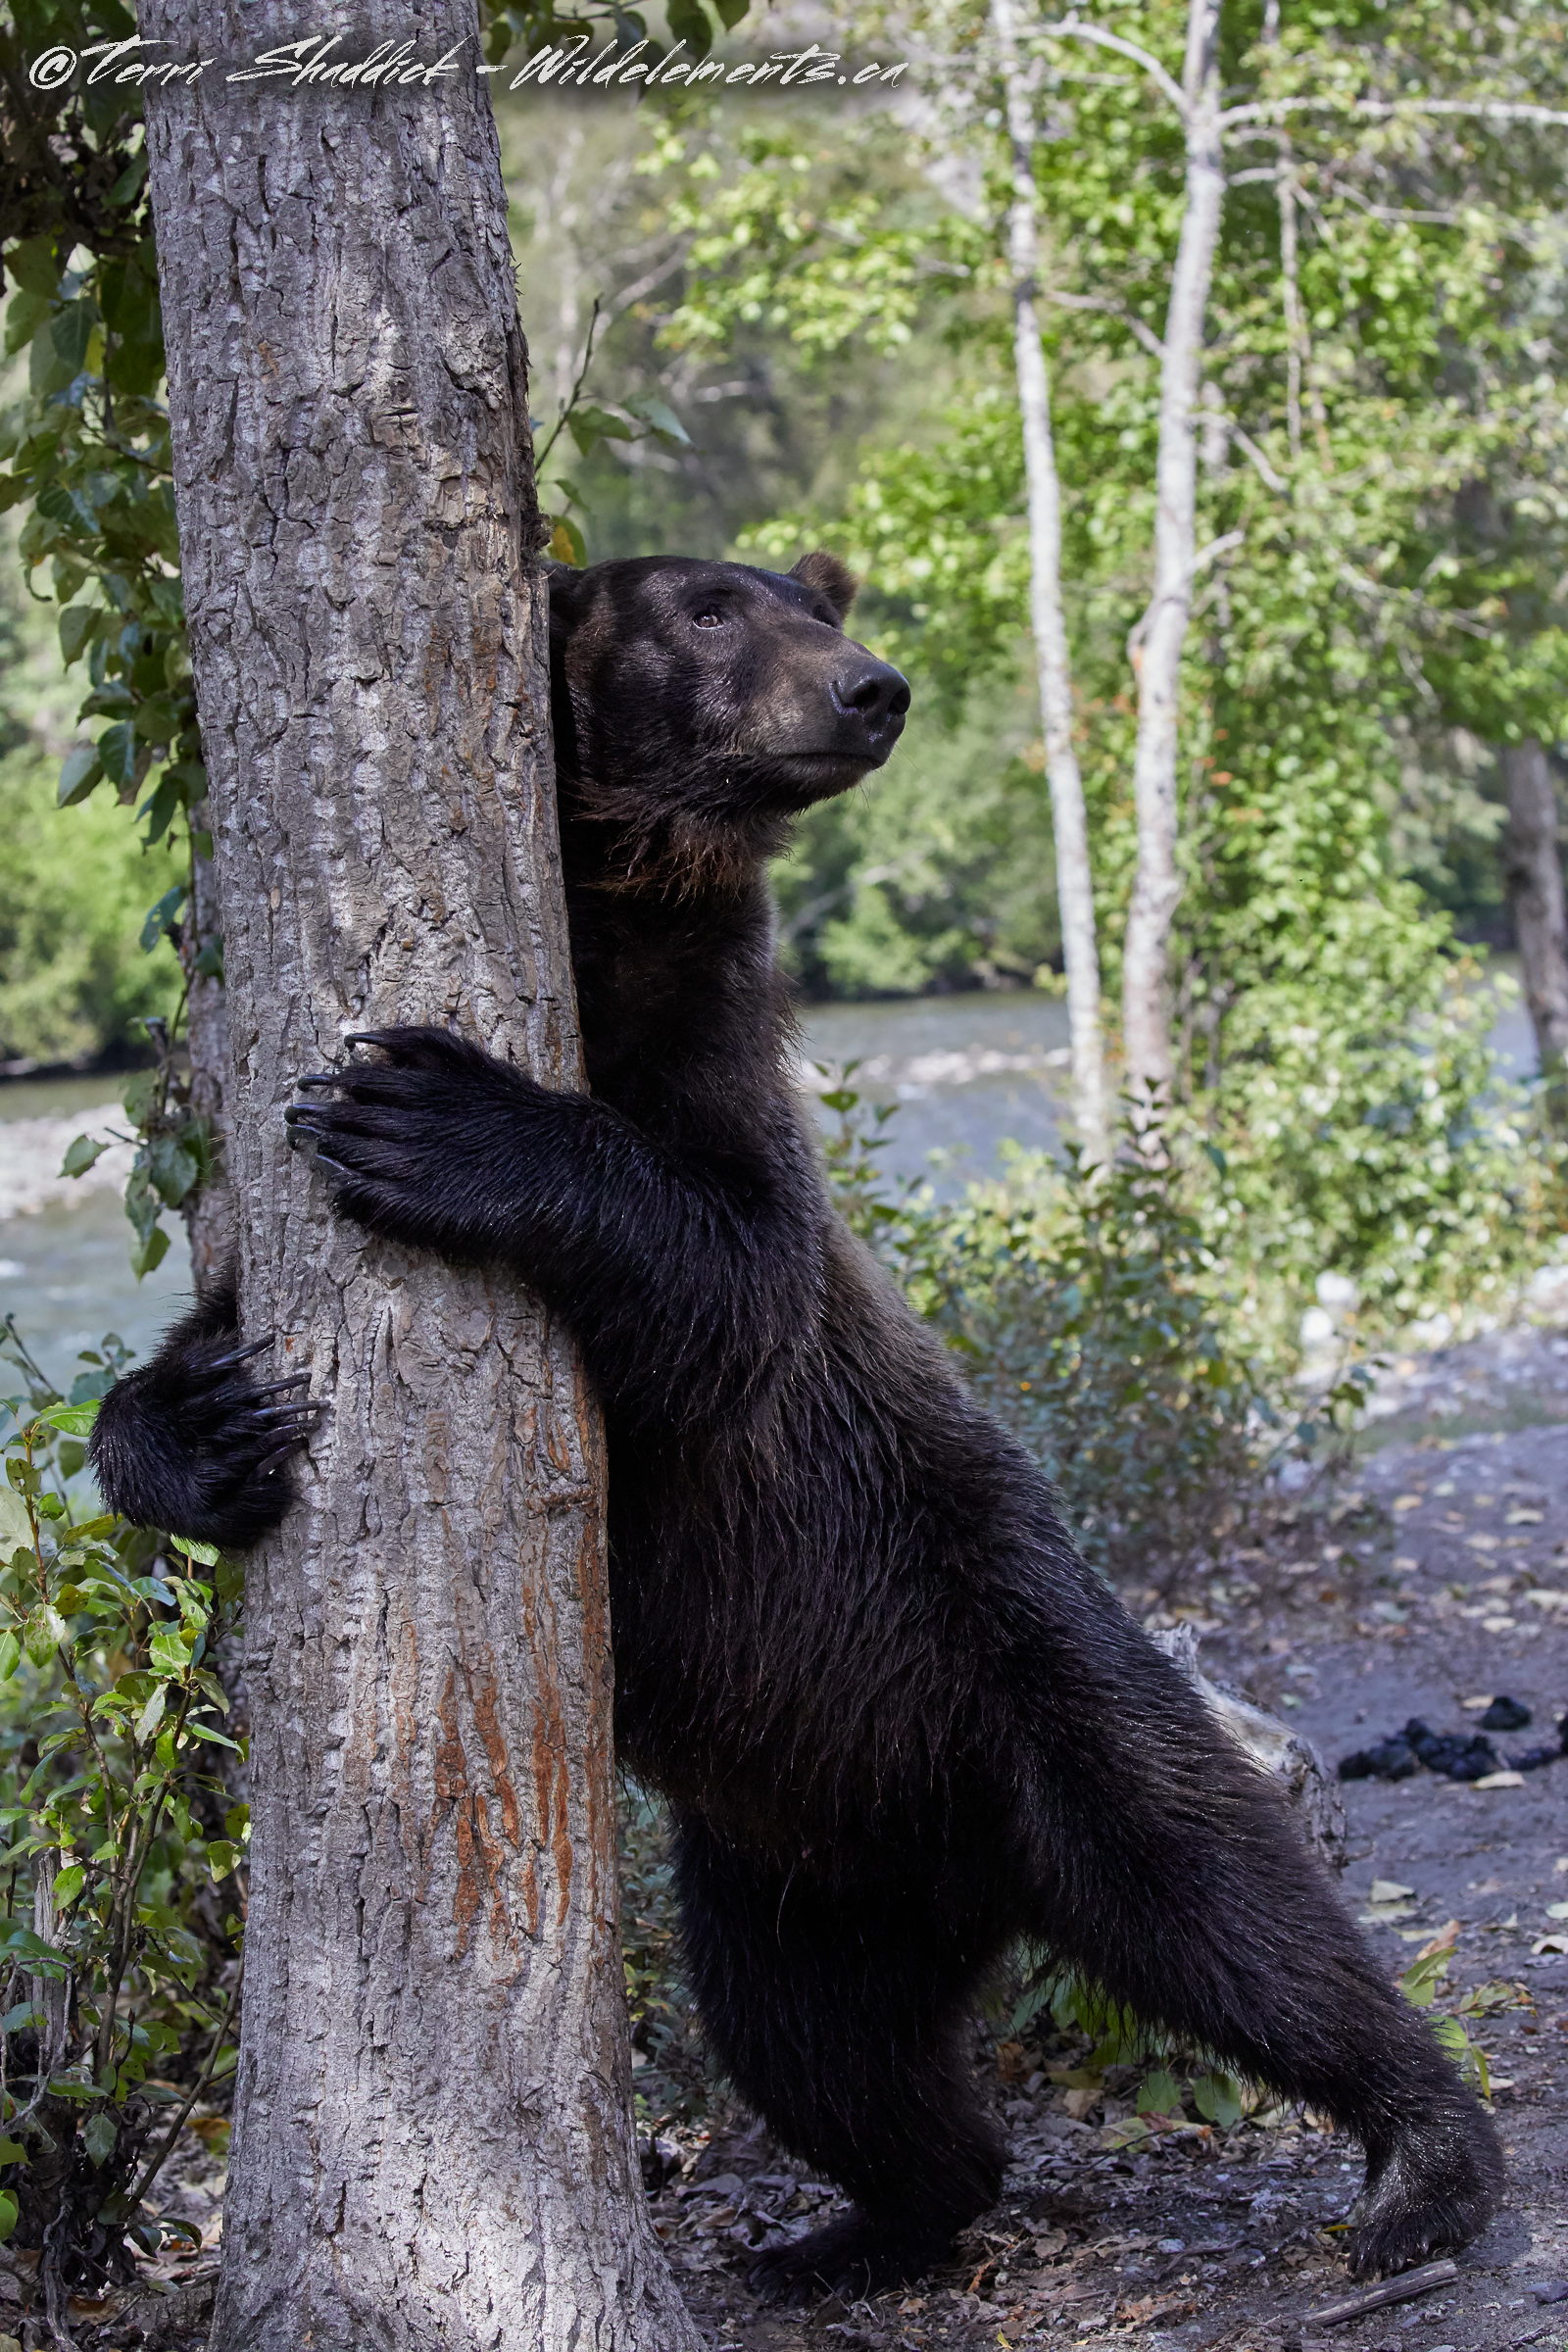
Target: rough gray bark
x,y
1162,631
1533,863
434,2140
210,1213
1075,894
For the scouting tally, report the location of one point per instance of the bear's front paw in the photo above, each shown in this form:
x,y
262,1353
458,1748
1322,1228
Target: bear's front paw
x,y
191,1445
410,1142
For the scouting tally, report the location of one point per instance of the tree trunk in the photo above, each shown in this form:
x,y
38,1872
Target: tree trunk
x,y
433,2141
1534,865
1161,633
209,1213
1075,896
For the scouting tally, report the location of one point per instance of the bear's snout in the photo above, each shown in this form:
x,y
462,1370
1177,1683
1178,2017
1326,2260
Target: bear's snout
x,y
874,695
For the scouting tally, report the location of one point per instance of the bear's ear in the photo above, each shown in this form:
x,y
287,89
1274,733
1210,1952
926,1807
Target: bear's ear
x,y
829,577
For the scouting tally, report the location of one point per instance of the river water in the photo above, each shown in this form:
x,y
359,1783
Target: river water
x,y
967,1072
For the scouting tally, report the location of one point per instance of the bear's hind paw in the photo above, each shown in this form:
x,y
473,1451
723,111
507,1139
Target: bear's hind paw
x,y
854,2257
1430,2195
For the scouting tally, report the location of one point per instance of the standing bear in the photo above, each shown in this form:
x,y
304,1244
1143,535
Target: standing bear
x,y
899,1724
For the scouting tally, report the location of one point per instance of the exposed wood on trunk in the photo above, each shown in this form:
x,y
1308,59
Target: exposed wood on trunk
x,y
1161,633
1075,896
433,2142
1533,860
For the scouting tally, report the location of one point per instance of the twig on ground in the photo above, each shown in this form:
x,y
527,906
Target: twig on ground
x,y
1387,2290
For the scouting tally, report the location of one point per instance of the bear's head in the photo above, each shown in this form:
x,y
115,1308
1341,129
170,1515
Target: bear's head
x,y
700,705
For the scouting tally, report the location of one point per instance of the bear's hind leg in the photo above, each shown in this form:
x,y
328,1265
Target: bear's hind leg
x,y
1169,1871
840,2018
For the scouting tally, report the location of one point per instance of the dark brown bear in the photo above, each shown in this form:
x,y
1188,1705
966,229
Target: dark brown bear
x,y
901,1724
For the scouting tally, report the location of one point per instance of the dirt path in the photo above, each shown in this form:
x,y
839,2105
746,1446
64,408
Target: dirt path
x,y
1416,1600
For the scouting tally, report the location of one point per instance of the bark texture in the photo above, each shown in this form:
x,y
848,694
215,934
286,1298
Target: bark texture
x,y
434,2142
1533,863
1075,894
1162,631
209,1214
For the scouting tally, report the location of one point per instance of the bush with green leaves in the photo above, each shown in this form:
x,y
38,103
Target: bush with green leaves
x,y
1182,2089
123,1868
73,983
1091,1311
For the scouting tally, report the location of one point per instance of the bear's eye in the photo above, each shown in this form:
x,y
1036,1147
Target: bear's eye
x,y
709,620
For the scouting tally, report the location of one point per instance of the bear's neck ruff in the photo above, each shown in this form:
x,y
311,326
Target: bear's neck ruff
x,y
612,841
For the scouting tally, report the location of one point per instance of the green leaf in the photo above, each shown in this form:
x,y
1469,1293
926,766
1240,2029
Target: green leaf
x,y
12,2151
1217,2100
80,770
730,14
169,1651
69,1884
99,2136
76,1420
25,314
10,1654
34,266
1159,2094
43,1632
588,425
206,1554
152,1253
172,1170
143,1096
16,1528
163,804
116,749
656,414
160,920
129,180
152,1714
688,21
8,2214
74,631
81,1154
60,351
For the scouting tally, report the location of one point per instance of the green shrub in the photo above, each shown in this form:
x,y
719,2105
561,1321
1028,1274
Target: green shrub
x,y
120,1937
73,982
1091,1315
667,2055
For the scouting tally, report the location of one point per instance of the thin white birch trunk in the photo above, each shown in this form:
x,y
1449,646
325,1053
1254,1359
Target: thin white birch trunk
x,y
1075,896
433,2145
1533,863
1162,631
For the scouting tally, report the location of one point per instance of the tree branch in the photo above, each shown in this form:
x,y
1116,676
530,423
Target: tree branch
x,y
1069,28
1135,326
1480,110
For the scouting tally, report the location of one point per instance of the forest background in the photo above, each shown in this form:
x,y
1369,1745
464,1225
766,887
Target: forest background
x,y
763,322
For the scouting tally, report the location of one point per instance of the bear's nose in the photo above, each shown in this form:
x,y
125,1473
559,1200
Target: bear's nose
x,y
870,692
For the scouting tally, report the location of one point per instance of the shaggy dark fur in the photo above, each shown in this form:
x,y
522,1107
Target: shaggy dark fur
x,y
901,1723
